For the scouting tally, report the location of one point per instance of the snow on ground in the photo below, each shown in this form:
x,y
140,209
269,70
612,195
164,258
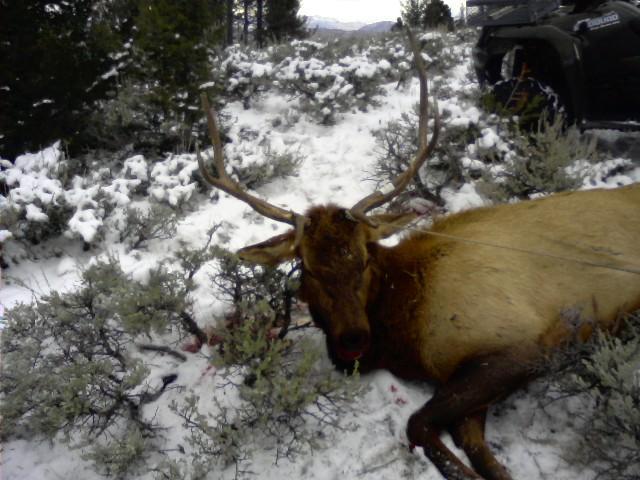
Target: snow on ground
x,y
533,443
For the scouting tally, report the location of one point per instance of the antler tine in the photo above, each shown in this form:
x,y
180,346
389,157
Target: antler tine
x,y
225,183
400,182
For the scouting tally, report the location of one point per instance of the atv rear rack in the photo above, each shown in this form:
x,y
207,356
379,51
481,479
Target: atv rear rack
x,y
486,13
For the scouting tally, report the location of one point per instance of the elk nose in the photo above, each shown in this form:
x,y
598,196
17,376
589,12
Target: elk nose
x,y
355,341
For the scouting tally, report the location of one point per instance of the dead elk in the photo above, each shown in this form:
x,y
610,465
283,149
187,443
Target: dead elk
x,y
467,315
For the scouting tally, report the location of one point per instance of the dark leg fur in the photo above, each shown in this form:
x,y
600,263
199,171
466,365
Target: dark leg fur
x,y
468,434
460,404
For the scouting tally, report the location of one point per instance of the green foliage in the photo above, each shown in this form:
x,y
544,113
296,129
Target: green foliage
x,y
129,120
427,13
121,456
15,218
67,366
267,293
605,380
534,103
282,21
412,12
275,165
157,223
55,55
282,397
436,14
141,61
397,146
541,163
285,399
172,39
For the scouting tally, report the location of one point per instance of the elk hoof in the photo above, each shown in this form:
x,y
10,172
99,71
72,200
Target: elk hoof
x,y
417,431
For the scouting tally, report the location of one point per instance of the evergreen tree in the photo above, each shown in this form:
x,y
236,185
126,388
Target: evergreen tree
x,y
229,4
172,39
412,12
437,13
282,20
427,13
54,62
260,23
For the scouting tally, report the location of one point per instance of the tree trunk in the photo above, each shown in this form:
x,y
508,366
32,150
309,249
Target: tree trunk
x,y
247,5
260,23
229,22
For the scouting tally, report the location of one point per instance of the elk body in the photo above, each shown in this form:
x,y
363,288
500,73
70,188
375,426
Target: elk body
x,y
474,304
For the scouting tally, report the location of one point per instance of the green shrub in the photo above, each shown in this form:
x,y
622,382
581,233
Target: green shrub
x,y
538,162
67,364
257,292
275,165
603,377
123,455
398,144
285,400
158,222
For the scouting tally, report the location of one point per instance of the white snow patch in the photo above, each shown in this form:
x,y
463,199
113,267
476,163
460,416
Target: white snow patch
x,y
35,214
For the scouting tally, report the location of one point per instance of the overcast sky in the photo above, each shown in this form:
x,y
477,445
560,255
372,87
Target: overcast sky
x,y
367,11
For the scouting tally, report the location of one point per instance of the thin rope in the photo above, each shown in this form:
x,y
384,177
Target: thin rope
x,y
633,270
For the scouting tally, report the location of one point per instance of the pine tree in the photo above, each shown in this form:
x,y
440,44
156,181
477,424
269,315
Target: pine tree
x,y
437,13
54,57
282,20
260,23
427,13
229,5
412,12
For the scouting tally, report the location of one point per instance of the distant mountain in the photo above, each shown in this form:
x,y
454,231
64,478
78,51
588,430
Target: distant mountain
x,y
333,24
377,27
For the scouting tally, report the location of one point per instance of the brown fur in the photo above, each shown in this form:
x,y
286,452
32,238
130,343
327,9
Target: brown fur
x,y
470,316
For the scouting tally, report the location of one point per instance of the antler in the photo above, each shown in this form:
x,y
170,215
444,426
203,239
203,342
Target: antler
x,y
376,199
225,183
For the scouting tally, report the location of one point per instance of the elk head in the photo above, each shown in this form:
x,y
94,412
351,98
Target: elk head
x,y
333,243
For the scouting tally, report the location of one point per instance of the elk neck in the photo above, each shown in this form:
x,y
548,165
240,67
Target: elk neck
x,y
394,305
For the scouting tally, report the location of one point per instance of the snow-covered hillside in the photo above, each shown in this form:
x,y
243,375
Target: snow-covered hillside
x,y
336,156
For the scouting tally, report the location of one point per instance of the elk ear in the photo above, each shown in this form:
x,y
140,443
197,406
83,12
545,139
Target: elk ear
x,y
271,252
388,224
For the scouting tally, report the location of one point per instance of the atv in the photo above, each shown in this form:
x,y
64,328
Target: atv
x,y
582,58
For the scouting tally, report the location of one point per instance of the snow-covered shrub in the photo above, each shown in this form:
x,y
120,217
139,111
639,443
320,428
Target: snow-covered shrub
x,y
267,293
604,377
123,455
398,144
134,119
59,355
244,73
327,88
48,195
254,169
158,222
441,49
284,399
172,180
254,158
534,163
35,203
70,369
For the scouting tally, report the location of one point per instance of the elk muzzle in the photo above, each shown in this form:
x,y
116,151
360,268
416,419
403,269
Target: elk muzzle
x,y
351,334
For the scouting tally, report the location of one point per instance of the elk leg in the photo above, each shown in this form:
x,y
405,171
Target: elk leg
x,y
471,389
468,434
